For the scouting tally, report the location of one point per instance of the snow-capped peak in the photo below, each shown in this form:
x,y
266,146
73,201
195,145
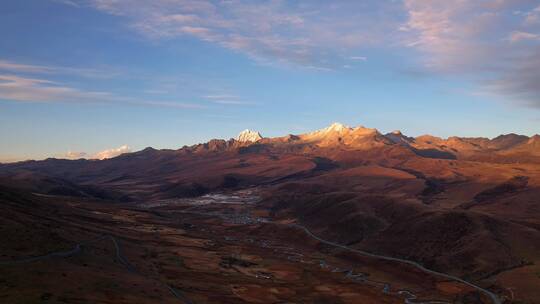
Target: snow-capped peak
x,y
248,136
336,127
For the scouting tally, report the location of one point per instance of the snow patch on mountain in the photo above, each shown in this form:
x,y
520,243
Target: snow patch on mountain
x,y
249,136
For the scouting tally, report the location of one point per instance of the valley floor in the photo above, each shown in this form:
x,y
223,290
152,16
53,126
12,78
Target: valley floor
x,y
213,249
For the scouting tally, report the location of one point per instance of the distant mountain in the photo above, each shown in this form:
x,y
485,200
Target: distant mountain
x,y
526,145
466,206
507,141
249,136
339,135
192,170
398,138
498,149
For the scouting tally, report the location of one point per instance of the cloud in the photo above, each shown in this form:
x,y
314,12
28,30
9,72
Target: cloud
x,y
13,66
233,102
25,89
228,99
517,36
305,33
110,153
105,154
533,17
24,82
358,58
169,104
491,43
17,88
14,86
221,96
74,155
67,2
16,67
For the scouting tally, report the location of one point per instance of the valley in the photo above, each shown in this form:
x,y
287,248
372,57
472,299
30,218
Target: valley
x,y
191,246
339,215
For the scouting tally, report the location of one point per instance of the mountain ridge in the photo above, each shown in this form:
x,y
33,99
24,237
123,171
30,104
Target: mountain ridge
x,y
502,148
505,148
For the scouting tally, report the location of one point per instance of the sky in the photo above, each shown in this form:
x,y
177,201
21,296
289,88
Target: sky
x,y
95,78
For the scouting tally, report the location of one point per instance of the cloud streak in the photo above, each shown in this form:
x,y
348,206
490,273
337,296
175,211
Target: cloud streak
x,y
517,36
110,153
228,99
74,155
105,154
31,83
305,33
16,67
493,42
16,86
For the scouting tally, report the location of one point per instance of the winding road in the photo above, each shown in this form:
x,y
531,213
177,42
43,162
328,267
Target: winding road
x,y
494,298
409,300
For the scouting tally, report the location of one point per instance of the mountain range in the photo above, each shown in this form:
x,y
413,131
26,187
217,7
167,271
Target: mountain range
x,y
171,172
465,206
506,148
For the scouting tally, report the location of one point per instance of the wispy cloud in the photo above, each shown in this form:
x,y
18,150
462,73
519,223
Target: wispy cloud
x,y
517,36
74,155
228,99
312,34
22,82
110,153
105,154
167,104
68,2
358,58
493,43
221,96
17,88
38,83
533,16
17,67
234,102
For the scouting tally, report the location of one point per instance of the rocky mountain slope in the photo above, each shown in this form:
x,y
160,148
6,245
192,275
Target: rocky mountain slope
x,y
466,206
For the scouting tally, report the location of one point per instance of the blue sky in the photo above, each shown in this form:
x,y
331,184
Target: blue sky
x,y
94,78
